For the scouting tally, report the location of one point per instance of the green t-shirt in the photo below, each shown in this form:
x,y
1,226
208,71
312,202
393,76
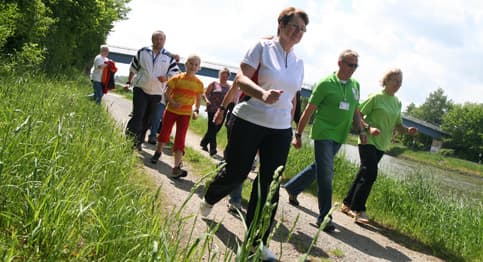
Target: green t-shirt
x,y
384,112
335,103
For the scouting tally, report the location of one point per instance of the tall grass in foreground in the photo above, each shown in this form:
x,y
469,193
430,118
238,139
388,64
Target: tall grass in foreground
x,y
66,184
70,189
451,227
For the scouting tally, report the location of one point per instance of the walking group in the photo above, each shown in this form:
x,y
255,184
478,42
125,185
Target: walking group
x,y
259,110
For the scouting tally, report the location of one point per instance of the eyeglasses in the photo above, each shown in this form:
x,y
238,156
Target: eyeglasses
x,y
350,64
298,27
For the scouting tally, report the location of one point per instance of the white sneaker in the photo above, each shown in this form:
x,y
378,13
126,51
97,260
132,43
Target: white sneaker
x,y
267,255
205,208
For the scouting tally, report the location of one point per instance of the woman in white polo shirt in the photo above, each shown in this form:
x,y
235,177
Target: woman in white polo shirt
x,y
263,122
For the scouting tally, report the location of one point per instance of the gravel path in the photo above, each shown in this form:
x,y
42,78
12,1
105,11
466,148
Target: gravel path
x,y
350,242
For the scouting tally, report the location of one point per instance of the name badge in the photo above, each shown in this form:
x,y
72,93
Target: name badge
x,y
344,105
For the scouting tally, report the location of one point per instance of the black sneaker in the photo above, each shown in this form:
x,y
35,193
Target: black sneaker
x,y
152,140
204,147
178,172
292,200
138,147
329,228
155,157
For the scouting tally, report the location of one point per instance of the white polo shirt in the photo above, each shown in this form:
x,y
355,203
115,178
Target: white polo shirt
x,y
278,70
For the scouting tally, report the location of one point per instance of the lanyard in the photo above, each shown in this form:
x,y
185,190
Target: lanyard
x,y
344,87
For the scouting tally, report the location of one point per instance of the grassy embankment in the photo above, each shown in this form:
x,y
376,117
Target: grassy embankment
x,y
70,189
71,186
412,209
432,159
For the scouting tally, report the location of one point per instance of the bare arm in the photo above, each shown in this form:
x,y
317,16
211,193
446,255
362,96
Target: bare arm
x,y
294,105
250,88
208,90
304,119
197,107
357,124
406,130
227,99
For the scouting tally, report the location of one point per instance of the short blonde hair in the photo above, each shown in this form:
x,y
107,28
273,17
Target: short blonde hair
x,y
193,57
103,48
389,73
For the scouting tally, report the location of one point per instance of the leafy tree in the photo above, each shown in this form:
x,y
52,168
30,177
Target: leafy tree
x,y
433,109
23,26
410,109
80,27
465,123
61,34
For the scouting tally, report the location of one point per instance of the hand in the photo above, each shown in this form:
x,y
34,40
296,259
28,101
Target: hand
x,y
363,138
176,57
297,142
218,117
412,131
271,96
195,115
374,131
162,79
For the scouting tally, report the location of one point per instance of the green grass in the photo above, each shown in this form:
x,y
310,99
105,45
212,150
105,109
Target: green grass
x,y
428,158
72,188
444,162
414,207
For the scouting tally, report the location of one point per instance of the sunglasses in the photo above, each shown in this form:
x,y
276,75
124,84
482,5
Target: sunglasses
x,y
350,64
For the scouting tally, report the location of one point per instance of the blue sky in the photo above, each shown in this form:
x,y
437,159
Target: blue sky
x,y
437,43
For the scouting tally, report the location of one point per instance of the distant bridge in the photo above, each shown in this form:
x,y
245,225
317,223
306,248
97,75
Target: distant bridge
x,y
124,55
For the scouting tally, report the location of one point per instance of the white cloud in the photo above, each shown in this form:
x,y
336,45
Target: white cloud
x,y
435,43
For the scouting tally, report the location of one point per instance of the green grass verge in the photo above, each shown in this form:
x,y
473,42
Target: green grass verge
x,y
72,188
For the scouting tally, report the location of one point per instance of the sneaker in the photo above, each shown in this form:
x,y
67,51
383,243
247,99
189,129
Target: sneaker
x,y
152,140
329,228
267,255
155,157
204,148
361,217
205,208
234,207
346,210
292,200
178,172
138,147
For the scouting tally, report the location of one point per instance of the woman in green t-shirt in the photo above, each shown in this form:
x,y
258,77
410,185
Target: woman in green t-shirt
x,y
381,114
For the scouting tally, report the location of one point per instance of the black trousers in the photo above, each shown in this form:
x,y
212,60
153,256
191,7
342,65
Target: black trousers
x,y
245,140
210,136
361,187
144,106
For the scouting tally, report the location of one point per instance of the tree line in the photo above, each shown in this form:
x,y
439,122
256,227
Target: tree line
x,y
464,123
55,35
